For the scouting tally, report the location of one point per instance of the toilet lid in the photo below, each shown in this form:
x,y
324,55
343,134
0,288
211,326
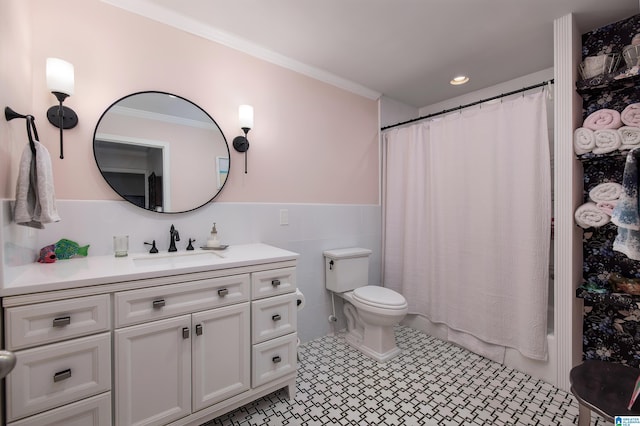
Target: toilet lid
x,y
379,296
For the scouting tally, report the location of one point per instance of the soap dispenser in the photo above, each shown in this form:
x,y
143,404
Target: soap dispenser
x,y
213,241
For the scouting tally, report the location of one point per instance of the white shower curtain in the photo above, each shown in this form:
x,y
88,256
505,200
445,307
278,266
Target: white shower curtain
x,y
467,221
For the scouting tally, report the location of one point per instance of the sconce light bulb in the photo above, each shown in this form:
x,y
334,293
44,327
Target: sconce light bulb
x,y
60,76
245,115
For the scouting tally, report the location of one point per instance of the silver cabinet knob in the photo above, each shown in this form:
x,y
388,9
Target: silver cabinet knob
x,y
7,362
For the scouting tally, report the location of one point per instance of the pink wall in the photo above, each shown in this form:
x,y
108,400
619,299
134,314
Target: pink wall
x,y
15,86
311,142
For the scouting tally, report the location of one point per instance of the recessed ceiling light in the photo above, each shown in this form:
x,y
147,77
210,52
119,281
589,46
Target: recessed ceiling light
x,y
461,79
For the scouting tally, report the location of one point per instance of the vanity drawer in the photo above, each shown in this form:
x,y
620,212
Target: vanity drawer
x,y
274,359
94,411
273,317
148,304
273,282
57,374
50,322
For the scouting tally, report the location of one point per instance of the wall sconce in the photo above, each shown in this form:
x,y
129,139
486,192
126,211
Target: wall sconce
x,y
241,143
60,81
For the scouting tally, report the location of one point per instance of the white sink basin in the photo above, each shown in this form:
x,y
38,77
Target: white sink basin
x,y
186,258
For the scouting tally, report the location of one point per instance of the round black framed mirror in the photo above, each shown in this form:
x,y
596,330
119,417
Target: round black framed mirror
x,y
161,152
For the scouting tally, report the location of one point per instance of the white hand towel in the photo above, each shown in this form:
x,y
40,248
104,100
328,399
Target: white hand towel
x,y
630,136
607,140
607,191
603,119
630,116
589,215
35,196
584,140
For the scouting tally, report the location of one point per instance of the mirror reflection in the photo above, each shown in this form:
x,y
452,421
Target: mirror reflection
x,y
161,152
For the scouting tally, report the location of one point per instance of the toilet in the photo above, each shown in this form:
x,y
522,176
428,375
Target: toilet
x,y
371,311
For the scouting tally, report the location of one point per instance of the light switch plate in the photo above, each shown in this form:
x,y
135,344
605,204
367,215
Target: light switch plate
x,y
284,217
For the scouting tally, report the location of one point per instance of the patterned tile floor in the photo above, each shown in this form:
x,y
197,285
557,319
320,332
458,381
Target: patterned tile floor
x,y
431,383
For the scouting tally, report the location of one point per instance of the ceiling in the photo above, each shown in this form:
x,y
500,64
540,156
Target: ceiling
x,y
407,50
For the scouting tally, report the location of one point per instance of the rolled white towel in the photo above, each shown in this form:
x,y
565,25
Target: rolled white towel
x,y
603,119
630,136
589,215
607,140
607,191
584,140
630,116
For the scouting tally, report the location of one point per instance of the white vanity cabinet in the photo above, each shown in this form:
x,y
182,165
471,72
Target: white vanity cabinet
x,y
273,325
63,351
148,346
167,368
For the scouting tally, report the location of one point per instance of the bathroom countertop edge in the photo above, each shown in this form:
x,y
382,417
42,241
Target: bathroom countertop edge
x,y
97,270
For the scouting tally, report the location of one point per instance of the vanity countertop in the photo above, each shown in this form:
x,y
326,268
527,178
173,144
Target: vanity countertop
x,y
96,270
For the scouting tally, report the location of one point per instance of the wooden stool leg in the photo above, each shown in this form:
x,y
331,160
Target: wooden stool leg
x,y
584,415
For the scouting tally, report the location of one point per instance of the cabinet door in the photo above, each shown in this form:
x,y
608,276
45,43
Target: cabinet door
x,y
41,323
154,303
272,282
94,411
221,364
53,375
153,372
273,317
273,359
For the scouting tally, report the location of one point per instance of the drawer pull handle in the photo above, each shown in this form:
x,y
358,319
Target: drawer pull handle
x,y
185,332
276,317
157,304
61,321
62,375
275,283
198,329
223,292
276,359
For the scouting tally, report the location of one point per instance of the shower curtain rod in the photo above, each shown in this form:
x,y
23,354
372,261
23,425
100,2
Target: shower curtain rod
x,y
458,108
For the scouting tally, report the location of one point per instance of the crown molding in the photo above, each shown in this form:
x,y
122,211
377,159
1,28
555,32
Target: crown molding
x,y
152,11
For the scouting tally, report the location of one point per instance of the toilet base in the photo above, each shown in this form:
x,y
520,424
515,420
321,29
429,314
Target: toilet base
x,y
371,333
355,341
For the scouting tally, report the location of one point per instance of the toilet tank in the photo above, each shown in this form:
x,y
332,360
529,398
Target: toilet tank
x,y
346,269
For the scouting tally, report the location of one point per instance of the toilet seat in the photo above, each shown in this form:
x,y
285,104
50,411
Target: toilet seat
x,y
379,297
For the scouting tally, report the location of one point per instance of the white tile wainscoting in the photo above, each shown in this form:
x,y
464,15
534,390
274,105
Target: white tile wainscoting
x,y
312,229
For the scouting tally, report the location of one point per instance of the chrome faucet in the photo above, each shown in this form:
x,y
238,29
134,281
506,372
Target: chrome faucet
x,y
175,236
